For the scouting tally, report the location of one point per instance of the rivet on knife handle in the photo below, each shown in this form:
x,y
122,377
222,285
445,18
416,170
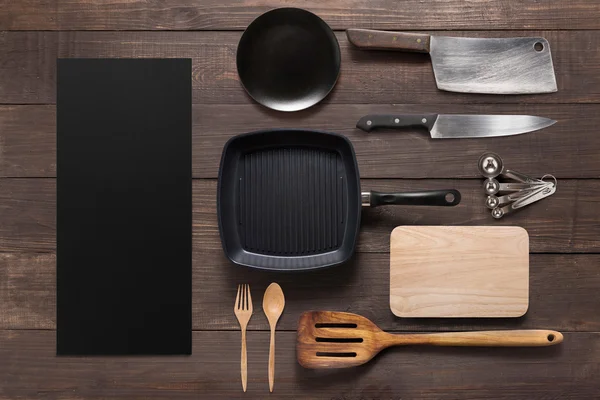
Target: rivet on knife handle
x,y
370,122
368,39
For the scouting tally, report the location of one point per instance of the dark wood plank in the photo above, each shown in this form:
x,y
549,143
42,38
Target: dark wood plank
x,y
563,294
27,73
28,67
27,291
568,149
565,222
27,206
30,369
235,14
27,141
28,15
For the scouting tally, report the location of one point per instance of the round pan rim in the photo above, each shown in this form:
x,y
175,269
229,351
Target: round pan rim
x,y
329,32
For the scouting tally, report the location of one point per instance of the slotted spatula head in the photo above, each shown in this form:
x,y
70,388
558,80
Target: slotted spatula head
x,y
328,339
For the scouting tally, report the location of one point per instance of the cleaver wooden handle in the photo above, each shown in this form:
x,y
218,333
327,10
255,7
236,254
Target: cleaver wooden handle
x,y
384,40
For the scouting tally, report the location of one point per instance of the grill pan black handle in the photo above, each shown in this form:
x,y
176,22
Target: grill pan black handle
x,y
448,197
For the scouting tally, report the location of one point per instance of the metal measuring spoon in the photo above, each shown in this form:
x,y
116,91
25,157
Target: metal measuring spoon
x,y
490,165
537,195
491,186
493,201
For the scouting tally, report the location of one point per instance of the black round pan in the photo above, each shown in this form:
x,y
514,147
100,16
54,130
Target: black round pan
x,y
290,200
288,59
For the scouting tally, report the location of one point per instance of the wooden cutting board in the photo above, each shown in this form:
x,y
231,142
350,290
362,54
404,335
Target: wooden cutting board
x,y
459,271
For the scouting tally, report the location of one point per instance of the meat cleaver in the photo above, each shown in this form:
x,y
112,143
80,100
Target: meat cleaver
x,y
521,65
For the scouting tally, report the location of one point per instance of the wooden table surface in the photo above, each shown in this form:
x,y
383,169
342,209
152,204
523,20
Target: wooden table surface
x,y
564,229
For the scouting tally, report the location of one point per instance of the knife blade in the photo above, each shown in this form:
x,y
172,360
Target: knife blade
x,y
456,126
518,65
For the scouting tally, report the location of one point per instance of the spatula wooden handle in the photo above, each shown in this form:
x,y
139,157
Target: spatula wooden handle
x,y
511,338
368,39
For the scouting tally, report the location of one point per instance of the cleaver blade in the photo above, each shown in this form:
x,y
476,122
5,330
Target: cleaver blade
x,y
521,65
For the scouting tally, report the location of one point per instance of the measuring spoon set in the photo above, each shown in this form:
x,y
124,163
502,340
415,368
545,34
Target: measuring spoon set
x,y
507,197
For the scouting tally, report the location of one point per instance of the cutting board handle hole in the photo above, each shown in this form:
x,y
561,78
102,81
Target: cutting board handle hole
x,y
538,46
550,337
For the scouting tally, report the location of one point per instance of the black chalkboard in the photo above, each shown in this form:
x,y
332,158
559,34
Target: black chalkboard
x,y
124,206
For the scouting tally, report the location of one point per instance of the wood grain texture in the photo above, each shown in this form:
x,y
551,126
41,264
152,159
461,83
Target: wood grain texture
x,y
27,141
340,14
563,294
565,222
28,14
366,77
567,149
563,287
369,39
30,369
458,271
334,339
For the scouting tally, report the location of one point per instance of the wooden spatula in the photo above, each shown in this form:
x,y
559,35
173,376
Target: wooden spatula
x,y
329,339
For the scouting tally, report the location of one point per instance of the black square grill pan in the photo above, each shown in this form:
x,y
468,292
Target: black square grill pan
x,y
290,200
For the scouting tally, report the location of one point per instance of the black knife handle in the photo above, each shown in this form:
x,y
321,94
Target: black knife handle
x,y
448,198
370,122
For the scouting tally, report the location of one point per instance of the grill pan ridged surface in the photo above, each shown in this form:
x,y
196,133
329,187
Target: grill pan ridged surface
x,y
288,199
291,201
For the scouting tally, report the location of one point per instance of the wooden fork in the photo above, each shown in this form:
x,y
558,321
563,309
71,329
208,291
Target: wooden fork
x,y
243,312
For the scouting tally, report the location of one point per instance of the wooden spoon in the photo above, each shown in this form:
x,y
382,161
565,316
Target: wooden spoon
x,y
328,339
273,304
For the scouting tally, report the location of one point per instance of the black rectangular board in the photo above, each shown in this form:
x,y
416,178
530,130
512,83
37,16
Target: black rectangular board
x,y
124,206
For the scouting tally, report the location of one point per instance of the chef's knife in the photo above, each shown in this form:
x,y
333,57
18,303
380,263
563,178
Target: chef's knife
x,y
473,65
454,126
